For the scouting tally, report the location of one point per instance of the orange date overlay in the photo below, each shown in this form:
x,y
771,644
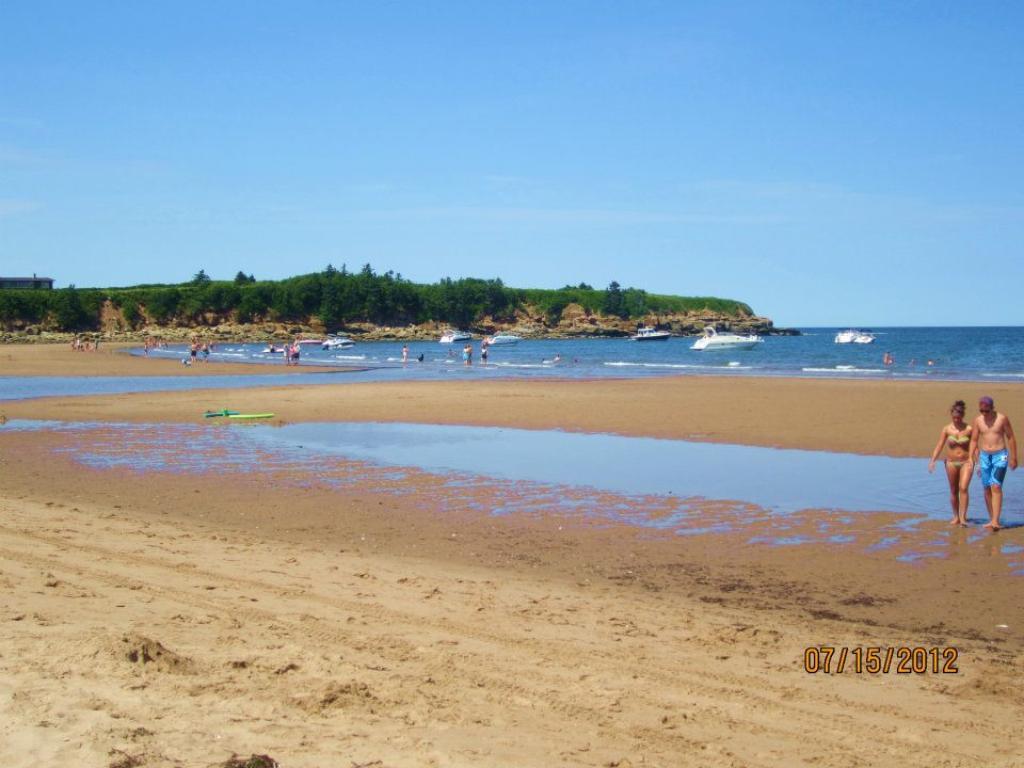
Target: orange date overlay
x,y
874,660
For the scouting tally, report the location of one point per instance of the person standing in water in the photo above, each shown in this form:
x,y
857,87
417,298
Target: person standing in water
x,y
991,435
405,353
956,438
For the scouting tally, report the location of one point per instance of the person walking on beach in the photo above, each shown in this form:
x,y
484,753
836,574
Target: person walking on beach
x,y
956,438
991,434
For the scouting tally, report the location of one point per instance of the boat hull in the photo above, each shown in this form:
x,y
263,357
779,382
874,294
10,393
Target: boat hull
x,y
653,337
724,345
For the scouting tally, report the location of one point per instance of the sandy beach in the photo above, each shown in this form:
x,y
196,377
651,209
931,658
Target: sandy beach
x,y
870,417
160,619
111,359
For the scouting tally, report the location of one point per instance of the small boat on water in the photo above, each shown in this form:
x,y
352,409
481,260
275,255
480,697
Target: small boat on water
x,y
272,350
451,337
502,338
307,343
854,336
338,342
647,333
712,341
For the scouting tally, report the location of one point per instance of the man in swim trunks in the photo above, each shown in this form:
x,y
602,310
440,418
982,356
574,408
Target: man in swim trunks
x,y
990,435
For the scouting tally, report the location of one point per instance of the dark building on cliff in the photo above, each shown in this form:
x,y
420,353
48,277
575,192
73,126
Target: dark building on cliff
x,y
27,283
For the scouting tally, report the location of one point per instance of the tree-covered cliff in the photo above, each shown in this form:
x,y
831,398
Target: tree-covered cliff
x,y
334,298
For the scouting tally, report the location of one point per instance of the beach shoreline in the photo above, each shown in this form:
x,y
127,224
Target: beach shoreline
x,y
397,618
303,621
866,417
115,359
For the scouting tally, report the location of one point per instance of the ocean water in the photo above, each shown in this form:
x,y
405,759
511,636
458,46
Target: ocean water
x,y
966,354
920,353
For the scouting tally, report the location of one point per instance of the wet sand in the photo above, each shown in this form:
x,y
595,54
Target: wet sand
x,y
871,417
396,620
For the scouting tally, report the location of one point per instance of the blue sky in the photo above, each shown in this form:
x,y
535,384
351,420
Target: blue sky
x,y
828,163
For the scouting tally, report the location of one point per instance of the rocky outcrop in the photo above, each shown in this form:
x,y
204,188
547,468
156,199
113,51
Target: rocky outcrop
x,y
529,322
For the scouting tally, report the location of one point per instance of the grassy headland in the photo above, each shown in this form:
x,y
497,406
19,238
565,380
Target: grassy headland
x,y
336,299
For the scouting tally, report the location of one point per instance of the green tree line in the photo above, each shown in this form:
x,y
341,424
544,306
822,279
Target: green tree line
x,y
336,297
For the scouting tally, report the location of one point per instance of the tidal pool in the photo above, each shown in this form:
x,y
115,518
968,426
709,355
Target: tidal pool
x,y
777,480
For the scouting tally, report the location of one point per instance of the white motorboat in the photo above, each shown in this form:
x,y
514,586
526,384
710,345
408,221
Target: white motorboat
x,y
854,336
650,334
713,340
338,342
502,338
307,343
451,337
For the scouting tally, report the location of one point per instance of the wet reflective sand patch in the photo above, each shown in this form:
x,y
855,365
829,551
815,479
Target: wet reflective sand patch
x,y
502,472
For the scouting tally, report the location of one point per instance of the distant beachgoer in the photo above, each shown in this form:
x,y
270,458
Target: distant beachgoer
x,y
558,358
467,354
991,434
888,359
483,353
193,351
206,352
956,439
420,358
405,353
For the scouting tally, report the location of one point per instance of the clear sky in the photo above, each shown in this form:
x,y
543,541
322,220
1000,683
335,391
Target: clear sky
x,y
846,163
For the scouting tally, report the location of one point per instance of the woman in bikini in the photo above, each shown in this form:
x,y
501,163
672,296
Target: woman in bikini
x,y
956,437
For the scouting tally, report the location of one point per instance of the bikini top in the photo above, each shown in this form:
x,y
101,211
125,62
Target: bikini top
x,y
958,441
